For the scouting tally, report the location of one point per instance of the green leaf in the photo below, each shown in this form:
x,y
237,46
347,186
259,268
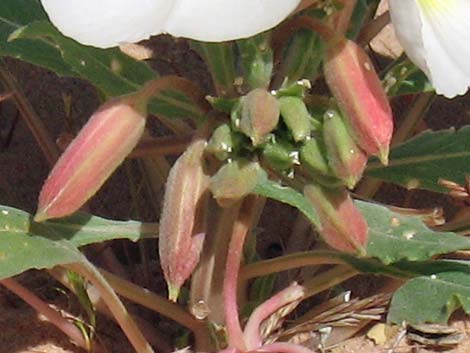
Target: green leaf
x,y
405,78
288,195
394,237
256,58
302,57
18,13
80,229
423,160
25,244
220,60
431,298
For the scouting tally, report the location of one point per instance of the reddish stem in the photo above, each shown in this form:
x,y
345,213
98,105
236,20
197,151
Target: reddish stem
x,y
53,316
252,329
235,252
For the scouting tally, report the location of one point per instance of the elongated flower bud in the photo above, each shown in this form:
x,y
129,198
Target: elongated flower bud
x,y
100,147
296,117
353,81
312,155
345,158
343,226
182,222
258,115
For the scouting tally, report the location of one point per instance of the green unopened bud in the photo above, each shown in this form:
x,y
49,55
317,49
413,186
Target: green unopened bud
x,y
258,115
183,221
312,155
281,155
346,159
343,226
296,117
222,142
100,147
234,181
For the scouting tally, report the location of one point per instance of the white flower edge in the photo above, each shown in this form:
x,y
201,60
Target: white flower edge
x,y
109,23
436,35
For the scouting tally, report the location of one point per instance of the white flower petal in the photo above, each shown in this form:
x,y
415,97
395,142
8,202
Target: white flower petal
x,y
218,20
435,35
107,23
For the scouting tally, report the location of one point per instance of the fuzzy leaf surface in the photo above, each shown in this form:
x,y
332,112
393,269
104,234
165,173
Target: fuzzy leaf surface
x,y
431,298
394,237
25,244
420,162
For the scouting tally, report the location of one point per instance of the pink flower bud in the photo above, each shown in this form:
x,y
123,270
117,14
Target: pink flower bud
x,y
343,226
354,83
183,220
100,147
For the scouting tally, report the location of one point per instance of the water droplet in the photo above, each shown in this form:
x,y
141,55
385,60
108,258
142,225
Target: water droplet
x,y
5,212
82,62
409,234
330,114
413,184
395,222
433,277
200,310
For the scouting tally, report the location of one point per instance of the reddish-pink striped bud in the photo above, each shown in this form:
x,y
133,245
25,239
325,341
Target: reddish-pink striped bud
x,y
182,224
100,147
354,83
343,226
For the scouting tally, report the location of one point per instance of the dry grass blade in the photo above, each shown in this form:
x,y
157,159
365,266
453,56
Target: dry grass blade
x,y
337,312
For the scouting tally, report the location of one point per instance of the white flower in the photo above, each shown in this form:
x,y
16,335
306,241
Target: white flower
x,y
436,37
108,23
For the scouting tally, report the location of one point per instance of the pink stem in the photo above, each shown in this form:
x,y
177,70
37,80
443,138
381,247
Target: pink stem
x,y
282,347
252,329
234,256
43,308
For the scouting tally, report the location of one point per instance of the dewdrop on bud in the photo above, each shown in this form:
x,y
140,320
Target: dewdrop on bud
x,y
100,147
182,223
354,83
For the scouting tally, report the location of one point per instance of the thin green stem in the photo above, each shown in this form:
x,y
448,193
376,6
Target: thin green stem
x,y
114,304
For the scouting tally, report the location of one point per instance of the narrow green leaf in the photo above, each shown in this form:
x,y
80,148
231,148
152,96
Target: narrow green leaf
x,y
423,160
80,229
289,196
256,58
394,237
18,13
220,60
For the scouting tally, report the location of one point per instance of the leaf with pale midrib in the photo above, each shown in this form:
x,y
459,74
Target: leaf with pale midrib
x,y
423,160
